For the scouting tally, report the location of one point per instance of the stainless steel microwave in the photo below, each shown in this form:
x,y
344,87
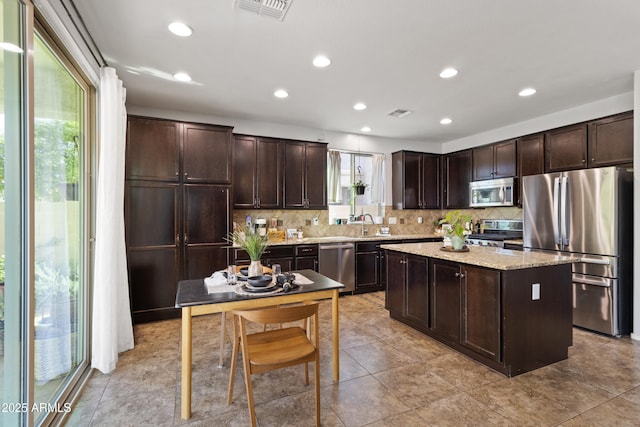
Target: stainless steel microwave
x,y
492,192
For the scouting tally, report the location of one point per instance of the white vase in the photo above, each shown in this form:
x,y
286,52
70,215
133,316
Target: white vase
x,y
255,269
457,242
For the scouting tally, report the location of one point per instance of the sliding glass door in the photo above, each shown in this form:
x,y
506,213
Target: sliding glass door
x,y
45,211
59,219
13,137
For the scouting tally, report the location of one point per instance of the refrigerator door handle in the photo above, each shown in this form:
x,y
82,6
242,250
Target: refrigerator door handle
x,y
564,218
556,209
580,279
595,261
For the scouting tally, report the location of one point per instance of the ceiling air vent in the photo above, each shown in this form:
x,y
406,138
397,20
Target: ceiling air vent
x,y
399,113
272,8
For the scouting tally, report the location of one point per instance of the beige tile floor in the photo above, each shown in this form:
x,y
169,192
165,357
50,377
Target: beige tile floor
x,y
390,375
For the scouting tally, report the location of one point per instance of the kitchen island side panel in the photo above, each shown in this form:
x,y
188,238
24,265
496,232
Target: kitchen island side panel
x,y
537,326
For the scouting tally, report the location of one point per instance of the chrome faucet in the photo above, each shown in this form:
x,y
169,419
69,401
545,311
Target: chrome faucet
x,y
364,218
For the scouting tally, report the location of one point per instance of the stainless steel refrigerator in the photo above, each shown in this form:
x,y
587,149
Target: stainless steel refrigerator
x,y
588,213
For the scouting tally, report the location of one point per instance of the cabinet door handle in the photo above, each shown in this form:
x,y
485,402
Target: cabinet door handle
x,y
186,239
186,174
177,239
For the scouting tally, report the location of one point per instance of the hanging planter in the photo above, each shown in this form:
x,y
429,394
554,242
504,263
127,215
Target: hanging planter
x,y
359,187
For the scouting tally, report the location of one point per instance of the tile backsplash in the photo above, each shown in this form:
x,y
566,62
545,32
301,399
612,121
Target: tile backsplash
x,y
407,221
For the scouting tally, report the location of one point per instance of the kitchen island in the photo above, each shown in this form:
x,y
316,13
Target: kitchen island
x,y
510,310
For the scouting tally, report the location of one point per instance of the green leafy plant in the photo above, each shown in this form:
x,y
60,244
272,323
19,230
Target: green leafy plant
x,y
458,222
250,241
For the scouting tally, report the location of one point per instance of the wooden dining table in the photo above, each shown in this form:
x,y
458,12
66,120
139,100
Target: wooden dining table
x,y
194,299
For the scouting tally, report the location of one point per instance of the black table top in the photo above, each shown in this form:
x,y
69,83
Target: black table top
x,y
194,292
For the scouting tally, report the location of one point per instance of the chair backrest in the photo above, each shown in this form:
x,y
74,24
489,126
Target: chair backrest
x,y
283,314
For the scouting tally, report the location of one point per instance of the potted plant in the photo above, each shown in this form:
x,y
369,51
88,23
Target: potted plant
x,y
458,227
359,187
253,243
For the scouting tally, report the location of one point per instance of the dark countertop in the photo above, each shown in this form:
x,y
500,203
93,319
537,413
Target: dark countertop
x,y
194,292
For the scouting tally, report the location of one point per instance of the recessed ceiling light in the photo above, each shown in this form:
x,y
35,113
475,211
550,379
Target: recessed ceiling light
x,y
183,77
447,73
180,29
446,121
365,129
280,93
360,106
527,92
321,61
10,47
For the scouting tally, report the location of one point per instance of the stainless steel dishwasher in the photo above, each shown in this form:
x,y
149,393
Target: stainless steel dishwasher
x,y
337,261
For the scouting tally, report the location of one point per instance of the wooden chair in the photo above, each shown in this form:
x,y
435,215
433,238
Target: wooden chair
x,y
223,320
278,348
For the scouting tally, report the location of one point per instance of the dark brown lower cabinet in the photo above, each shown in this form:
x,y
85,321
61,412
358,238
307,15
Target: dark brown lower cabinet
x,y
368,267
466,306
445,297
173,232
493,316
275,254
306,257
407,293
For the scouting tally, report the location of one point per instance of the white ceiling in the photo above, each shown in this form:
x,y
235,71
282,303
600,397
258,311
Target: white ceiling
x,y
387,54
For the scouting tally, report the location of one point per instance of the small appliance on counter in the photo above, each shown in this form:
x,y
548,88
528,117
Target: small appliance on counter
x,y
384,230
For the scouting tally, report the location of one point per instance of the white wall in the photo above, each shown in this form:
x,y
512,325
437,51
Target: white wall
x,y
604,107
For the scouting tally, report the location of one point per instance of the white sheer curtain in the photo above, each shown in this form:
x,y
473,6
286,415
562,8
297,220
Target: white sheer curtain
x,y
112,330
333,179
377,179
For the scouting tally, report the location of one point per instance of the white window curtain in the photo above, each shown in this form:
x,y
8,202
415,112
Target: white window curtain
x,y
377,179
112,330
333,179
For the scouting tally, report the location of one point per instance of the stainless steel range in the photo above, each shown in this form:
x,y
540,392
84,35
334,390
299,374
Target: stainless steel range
x,y
496,231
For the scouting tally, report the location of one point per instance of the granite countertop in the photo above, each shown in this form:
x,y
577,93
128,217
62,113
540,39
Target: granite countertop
x,y
515,241
485,256
338,239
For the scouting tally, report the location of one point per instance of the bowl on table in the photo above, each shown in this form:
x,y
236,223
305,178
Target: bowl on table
x,y
259,281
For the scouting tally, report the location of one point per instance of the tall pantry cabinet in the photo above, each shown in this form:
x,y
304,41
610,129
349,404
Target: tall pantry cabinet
x,y
177,209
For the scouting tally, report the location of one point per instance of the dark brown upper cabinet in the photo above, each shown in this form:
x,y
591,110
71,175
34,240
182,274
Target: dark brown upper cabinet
x,y
494,161
530,156
457,176
566,148
611,141
207,153
156,154
305,175
257,172
416,180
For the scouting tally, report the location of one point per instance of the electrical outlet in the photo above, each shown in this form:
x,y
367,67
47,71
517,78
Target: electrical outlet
x,y
392,220
535,291
419,220
307,222
401,220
